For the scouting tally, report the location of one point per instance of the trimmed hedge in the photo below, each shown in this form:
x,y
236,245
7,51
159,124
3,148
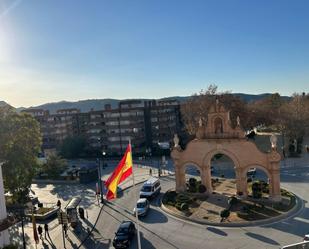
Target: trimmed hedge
x,y
202,188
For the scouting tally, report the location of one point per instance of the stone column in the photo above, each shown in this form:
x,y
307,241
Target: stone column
x,y
275,183
207,179
241,182
180,178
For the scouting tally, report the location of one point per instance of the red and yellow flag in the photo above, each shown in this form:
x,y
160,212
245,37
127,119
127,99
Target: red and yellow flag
x,y
121,172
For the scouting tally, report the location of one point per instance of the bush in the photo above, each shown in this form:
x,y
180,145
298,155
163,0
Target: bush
x,y
202,188
178,205
192,189
256,190
246,209
170,198
184,206
224,214
192,182
232,201
183,198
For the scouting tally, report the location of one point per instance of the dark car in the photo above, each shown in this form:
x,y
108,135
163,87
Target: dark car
x,y
124,234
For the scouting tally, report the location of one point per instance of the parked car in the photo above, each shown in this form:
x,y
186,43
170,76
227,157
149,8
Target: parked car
x,y
124,235
306,238
150,188
142,207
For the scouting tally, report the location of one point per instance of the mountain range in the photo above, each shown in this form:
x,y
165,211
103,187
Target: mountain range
x,y
98,104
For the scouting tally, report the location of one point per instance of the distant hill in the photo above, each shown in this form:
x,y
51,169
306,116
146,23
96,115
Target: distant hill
x,y
98,104
4,104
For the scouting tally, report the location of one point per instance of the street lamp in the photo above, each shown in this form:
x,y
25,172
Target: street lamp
x,y
100,180
100,175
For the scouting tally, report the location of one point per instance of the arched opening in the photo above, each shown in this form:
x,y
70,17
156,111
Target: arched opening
x,y
258,182
192,178
223,175
218,125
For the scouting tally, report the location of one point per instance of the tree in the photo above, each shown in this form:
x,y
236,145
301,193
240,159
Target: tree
x,y
20,142
54,166
73,147
198,105
295,118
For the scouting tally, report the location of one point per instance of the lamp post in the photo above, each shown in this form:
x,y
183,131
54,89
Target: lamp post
x,y
100,180
100,175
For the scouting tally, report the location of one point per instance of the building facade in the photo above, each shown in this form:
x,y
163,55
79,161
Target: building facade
x,y
149,125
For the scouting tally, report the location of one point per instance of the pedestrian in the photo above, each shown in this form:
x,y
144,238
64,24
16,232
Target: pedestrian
x,y
46,230
40,230
150,171
58,203
65,228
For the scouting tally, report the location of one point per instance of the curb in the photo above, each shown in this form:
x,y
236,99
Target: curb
x,y
299,206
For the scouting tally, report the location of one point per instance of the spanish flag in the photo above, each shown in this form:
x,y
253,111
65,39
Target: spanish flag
x,y
121,172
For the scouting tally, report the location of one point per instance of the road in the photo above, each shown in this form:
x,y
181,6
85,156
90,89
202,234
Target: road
x,y
159,230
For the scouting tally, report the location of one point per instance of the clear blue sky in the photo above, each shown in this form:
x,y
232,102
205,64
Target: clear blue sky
x,y
52,50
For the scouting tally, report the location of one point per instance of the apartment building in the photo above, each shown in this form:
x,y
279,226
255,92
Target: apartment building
x,y
112,129
149,125
56,127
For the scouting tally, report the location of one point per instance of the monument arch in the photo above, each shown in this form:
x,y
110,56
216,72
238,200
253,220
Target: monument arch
x,y
218,136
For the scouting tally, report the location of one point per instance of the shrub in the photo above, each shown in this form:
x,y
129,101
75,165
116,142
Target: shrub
x,y
192,189
192,182
183,198
202,188
246,209
224,214
178,205
170,198
256,190
184,206
232,201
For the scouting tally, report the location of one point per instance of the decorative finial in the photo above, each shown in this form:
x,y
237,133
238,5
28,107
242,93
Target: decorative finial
x,y
176,140
273,141
238,121
200,122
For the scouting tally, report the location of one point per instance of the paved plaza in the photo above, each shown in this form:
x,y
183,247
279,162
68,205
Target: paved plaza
x,y
159,230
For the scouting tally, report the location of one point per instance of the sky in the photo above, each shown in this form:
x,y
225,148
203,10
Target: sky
x,y
53,50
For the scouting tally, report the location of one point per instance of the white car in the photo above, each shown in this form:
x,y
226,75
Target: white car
x,y
306,238
142,207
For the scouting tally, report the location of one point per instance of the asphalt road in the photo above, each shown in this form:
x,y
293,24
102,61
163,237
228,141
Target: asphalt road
x,y
159,230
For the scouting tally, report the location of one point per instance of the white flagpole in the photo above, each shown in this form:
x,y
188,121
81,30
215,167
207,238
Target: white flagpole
x,y
136,214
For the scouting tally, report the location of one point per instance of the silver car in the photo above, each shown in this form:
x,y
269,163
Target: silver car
x,y
142,207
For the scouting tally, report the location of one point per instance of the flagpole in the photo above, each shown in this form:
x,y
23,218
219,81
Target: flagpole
x,y
136,213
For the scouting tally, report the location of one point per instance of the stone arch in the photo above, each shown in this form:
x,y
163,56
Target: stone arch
x,y
207,163
181,181
232,143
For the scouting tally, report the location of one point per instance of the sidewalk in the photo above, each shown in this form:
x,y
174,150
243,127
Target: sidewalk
x,y
51,193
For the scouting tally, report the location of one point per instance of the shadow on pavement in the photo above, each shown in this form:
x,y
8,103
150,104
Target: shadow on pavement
x,y
262,238
216,231
154,216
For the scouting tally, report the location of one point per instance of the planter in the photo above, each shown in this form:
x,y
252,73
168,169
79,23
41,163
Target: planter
x,y
44,216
